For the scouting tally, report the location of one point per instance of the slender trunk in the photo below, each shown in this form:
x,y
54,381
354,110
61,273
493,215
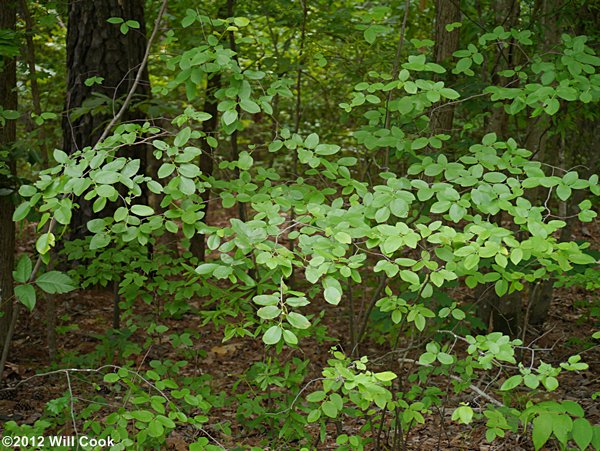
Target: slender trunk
x,y
549,149
49,301
197,243
501,313
235,152
8,135
446,43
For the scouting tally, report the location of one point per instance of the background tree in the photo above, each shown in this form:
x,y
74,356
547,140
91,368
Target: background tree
x,y
106,40
8,129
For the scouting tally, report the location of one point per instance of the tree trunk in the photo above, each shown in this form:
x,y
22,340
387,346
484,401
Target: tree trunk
x,y
8,134
500,314
197,243
446,43
550,150
96,48
504,313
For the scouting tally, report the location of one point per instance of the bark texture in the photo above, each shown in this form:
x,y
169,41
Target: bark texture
x,y
547,148
96,48
446,43
504,313
8,101
197,243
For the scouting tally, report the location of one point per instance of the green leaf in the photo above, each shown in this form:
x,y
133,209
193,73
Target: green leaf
x,y
332,295
111,378
23,270
44,243
343,237
392,244
445,359
489,139
262,299
21,211
313,416
311,141
563,191
463,414
165,170
28,191
142,415
532,381
60,156
501,287
269,312
385,376
297,320
316,396
241,21
551,383
155,429
542,429
329,409
207,268
290,337
512,382
419,143
249,106
582,433
55,282
229,117
182,137
273,335
187,21
245,161
328,149
562,426
427,358
26,295
516,255
106,191
333,290
410,277
99,241
142,210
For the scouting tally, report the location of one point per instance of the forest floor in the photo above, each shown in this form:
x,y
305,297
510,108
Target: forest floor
x,y
573,318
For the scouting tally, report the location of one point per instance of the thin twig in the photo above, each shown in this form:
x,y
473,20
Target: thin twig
x,y
72,404
395,71
139,74
474,388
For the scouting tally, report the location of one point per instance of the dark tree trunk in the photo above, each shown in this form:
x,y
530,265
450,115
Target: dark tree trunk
x,y
197,243
96,48
501,313
547,148
210,127
8,134
446,43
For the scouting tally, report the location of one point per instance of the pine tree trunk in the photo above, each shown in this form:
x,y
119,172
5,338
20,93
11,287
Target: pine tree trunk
x,y
96,48
8,134
446,43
